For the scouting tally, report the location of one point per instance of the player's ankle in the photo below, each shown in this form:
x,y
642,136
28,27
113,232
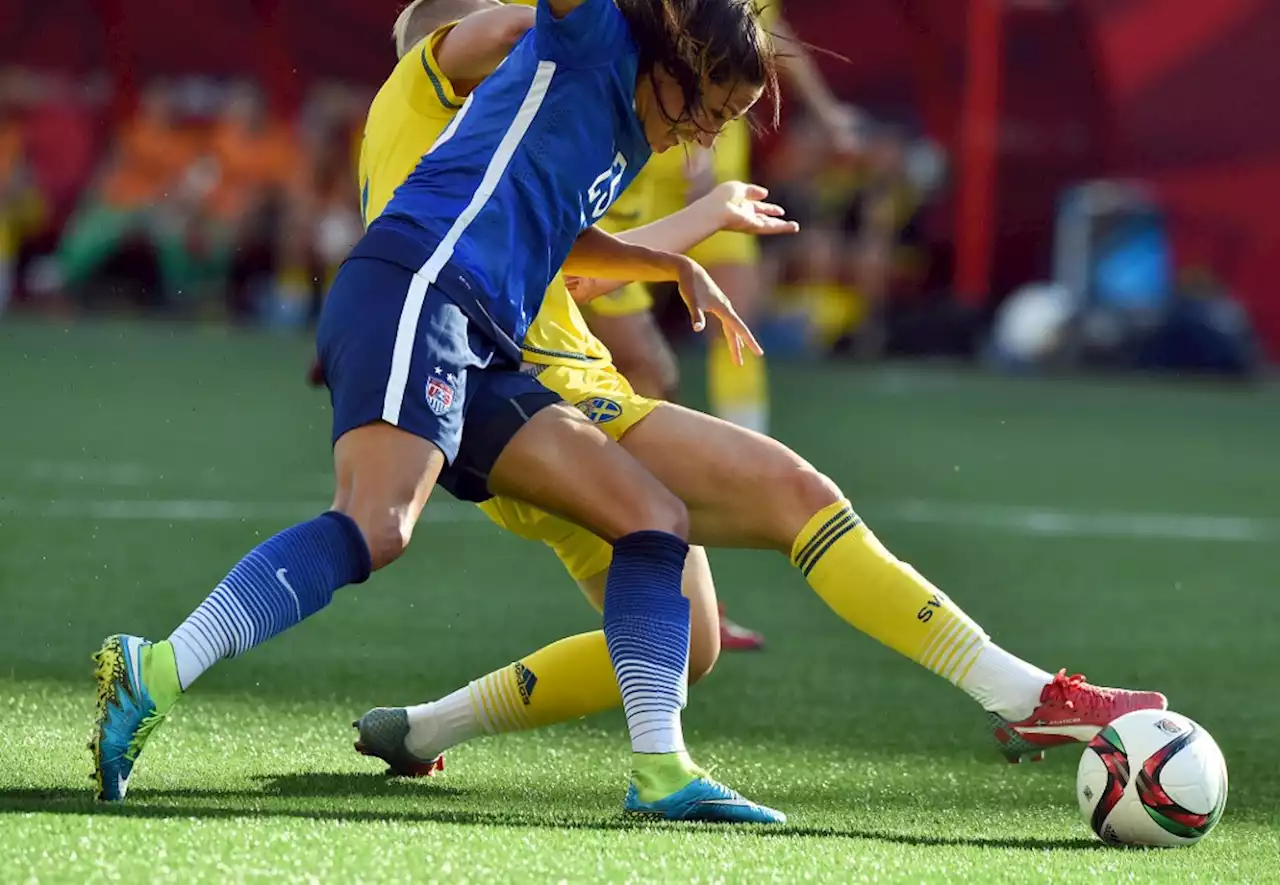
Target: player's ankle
x,y
160,669
658,775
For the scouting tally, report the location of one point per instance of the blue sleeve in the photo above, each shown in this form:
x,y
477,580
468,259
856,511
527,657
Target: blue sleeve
x,y
592,35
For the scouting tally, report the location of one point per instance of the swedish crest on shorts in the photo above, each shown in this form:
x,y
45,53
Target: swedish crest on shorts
x,y
599,410
441,391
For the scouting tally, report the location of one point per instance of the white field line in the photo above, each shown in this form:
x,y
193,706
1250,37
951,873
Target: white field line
x,y
1043,522
1053,523
201,510
95,473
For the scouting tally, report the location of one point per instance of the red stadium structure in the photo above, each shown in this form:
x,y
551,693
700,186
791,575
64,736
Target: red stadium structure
x,y
1027,95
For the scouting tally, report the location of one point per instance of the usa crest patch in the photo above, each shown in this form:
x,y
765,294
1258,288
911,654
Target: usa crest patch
x,y
441,391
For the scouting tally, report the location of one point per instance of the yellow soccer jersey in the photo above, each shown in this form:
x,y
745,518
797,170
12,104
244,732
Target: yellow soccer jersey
x,y
410,112
634,206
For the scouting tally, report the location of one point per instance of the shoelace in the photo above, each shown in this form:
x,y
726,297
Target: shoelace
x,y
1074,693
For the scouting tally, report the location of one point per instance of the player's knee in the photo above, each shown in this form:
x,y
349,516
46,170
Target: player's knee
x,y
801,492
387,532
666,512
668,376
657,511
655,375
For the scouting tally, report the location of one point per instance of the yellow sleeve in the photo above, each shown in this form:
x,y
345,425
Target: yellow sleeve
x,y
411,110
428,90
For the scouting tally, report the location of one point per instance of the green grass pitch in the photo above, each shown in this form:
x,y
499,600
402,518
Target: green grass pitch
x,y
1127,530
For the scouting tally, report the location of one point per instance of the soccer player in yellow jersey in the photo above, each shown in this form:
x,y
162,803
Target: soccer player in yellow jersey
x,y
741,490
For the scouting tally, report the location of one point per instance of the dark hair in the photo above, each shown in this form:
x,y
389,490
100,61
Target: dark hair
x,y
705,41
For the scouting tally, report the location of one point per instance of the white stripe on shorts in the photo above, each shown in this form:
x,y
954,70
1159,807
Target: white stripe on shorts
x,y
406,334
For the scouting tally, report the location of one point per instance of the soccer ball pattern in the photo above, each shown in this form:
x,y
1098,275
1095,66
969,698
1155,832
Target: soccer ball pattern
x,y
1154,778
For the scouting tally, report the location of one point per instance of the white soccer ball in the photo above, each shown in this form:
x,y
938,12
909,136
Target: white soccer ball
x,y
1031,324
1152,777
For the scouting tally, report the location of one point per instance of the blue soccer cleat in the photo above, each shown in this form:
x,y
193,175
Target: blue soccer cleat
x,y
702,800
137,687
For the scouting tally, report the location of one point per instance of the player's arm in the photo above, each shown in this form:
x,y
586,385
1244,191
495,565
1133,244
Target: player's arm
x,y
598,254
477,45
731,206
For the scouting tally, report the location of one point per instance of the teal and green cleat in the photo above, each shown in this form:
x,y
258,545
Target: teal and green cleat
x,y
137,687
702,800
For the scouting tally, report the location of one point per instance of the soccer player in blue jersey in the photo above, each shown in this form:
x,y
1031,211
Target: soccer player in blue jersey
x,y
420,338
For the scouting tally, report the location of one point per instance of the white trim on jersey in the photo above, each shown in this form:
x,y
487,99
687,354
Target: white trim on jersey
x,y
407,332
453,124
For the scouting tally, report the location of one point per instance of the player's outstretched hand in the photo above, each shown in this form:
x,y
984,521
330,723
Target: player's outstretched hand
x,y
744,210
702,296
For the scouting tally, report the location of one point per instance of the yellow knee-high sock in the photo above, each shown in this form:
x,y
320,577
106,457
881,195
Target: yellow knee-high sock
x,y
563,681
739,394
882,596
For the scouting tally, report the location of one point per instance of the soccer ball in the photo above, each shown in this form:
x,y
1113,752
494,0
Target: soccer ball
x,y
1152,777
1030,327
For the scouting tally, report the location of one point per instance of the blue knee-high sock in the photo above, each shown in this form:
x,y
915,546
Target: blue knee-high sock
x,y
283,580
646,625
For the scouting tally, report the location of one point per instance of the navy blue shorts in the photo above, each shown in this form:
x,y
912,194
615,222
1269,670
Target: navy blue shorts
x,y
396,349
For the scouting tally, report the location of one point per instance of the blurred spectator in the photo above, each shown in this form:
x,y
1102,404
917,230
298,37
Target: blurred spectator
x,y
21,207
61,125
860,255
146,189
321,221
882,206
258,160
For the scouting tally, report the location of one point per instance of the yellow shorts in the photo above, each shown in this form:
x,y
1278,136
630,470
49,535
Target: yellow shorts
x,y
606,397
630,300
731,161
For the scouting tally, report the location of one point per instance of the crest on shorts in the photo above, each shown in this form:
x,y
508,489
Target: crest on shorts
x,y
599,410
441,390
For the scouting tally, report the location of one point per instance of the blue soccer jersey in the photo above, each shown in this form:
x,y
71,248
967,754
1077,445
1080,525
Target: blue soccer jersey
x,y
538,153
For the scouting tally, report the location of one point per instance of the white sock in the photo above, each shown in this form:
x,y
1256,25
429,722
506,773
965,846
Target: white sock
x,y
192,657
1005,684
442,724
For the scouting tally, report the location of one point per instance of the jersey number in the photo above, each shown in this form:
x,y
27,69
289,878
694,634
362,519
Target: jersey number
x,y
604,190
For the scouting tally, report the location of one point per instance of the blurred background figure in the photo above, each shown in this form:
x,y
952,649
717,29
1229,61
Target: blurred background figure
x,y
216,180
21,206
321,216
146,190
257,158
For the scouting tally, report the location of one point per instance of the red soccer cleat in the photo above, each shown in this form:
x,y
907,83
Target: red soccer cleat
x,y
1071,711
735,637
